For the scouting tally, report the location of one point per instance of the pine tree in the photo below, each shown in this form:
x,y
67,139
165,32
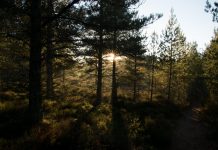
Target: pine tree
x,y
172,45
49,52
35,98
211,68
61,41
196,87
95,27
135,51
35,95
122,22
154,46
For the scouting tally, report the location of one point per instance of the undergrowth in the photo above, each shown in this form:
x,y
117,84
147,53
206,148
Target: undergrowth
x,y
69,124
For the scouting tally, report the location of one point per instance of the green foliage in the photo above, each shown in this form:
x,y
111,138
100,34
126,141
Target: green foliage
x,y
190,80
172,40
150,125
172,48
210,68
210,63
68,124
13,65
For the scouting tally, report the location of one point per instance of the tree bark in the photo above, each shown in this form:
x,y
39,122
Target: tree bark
x,y
135,79
49,69
63,83
100,51
152,78
170,74
35,99
99,79
114,82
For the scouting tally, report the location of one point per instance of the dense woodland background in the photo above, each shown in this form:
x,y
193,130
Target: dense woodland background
x,y
81,75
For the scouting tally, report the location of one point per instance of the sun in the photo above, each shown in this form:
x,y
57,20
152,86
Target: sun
x,y
111,56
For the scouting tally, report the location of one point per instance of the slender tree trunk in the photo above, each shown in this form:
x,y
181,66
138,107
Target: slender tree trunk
x,y
49,54
179,89
99,80
63,83
114,82
170,74
152,79
49,69
135,79
35,99
100,51
1,82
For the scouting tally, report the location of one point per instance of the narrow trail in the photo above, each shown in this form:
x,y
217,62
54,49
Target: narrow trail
x,y
190,133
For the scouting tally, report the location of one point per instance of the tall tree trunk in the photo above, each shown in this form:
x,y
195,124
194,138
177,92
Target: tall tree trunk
x,y
114,82
100,51
135,79
1,83
49,54
152,79
179,89
35,99
63,83
99,80
49,68
170,74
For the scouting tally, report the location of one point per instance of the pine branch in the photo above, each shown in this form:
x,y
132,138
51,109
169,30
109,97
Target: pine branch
x,y
56,16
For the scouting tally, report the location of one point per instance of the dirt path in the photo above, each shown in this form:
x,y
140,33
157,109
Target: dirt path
x,y
190,133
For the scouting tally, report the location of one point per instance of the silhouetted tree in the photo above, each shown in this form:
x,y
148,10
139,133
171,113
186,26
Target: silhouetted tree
x,y
213,9
35,97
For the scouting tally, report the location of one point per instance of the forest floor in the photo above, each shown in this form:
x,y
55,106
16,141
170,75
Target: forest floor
x,y
191,133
